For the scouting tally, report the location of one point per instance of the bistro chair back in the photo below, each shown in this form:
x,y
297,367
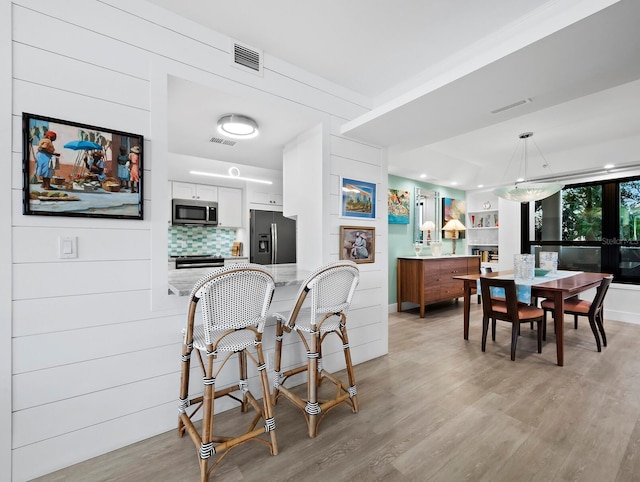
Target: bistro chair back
x,y
235,301
505,307
320,309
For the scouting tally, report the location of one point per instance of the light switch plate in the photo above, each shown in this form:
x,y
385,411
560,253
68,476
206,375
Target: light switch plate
x,y
67,247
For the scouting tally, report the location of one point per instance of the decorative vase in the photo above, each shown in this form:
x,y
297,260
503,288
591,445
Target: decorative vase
x,y
436,248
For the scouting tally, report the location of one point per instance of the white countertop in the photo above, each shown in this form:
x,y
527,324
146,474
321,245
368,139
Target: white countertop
x,y
442,256
181,281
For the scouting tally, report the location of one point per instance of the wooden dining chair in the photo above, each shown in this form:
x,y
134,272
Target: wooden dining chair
x,y
235,302
328,292
506,309
593,310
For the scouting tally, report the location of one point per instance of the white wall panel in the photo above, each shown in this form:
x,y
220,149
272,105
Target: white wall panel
x,y
72,447
88,79
350,149
62,28
66,279
34,245
38,388
83,109
58,418
48,350
63,313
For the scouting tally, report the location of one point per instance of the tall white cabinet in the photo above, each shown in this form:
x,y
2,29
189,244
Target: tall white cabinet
x,y
493,229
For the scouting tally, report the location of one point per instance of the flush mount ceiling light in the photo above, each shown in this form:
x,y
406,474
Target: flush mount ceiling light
x,y
524,191
237,126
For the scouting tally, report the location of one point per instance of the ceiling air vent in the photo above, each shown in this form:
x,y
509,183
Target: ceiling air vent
x,y
511,106
224,142
246,57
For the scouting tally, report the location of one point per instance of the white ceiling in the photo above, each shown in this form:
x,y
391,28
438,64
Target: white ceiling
x,y
433,70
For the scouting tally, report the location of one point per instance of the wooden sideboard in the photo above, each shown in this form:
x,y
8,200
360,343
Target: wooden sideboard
x,y
429,279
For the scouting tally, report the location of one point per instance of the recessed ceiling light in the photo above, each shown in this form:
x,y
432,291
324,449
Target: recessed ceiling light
x,y
480,185
422,176
454,183
609,166
237,126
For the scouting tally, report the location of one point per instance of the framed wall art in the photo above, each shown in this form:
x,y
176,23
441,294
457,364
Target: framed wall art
x,y
357,199
358,243
452,209
398,206
72,169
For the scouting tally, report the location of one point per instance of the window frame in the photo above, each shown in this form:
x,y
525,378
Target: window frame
x,y
610,254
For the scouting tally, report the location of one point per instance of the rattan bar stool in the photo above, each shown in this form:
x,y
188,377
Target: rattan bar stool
x,y
332,288
235,303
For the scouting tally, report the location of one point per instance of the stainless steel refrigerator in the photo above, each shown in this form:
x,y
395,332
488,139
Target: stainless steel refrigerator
x,y
273,238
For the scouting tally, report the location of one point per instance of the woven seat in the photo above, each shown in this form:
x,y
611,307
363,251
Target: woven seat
x,y
235,301
328,292
507,309
593,310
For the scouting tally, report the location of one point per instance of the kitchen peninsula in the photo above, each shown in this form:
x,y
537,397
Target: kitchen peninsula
x,y
181,281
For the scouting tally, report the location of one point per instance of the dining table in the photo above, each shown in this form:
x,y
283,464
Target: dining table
x,y
556,289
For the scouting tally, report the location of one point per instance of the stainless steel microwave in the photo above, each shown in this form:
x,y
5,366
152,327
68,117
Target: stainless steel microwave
x,y
189,211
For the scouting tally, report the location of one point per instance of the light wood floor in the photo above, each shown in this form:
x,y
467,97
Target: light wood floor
x,y
438,409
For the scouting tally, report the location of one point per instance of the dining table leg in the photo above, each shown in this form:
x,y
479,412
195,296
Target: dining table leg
x,y
467,306
558,319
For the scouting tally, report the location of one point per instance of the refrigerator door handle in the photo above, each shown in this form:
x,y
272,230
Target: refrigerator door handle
x,y
274,243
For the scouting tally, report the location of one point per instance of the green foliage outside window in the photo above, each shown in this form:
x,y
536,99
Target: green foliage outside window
x,y
582,213
630,210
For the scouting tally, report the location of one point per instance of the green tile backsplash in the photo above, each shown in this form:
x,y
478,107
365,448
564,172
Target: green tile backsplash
x,y
198,240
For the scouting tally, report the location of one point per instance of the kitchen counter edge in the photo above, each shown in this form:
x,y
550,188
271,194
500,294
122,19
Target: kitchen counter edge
x,y
181,281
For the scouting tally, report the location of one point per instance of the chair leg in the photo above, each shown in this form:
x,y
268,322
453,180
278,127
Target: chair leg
x,y
544,325
539,336
267,407
485,329
206,445
277,361
243,380
600,323
575,322
515,329
313,408
350,374
594,329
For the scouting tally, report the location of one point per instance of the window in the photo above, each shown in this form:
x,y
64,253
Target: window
x,y
593,227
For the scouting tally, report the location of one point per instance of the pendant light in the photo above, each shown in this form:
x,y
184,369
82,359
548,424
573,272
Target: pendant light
x,y
526,191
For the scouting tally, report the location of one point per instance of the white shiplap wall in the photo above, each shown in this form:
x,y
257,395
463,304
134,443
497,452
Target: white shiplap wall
x,y
94,359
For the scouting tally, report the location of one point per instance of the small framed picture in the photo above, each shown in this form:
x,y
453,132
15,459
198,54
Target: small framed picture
x,y
452,209
358,199
358,243
398,206
72,169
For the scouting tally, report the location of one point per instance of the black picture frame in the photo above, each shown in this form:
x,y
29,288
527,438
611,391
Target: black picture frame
x,y
97,172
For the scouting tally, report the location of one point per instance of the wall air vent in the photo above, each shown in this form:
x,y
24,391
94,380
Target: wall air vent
x,y
224,142
246,58
511,106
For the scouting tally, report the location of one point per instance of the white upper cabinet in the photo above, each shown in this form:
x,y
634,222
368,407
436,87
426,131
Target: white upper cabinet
x,y
266,197
229,207
201,192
